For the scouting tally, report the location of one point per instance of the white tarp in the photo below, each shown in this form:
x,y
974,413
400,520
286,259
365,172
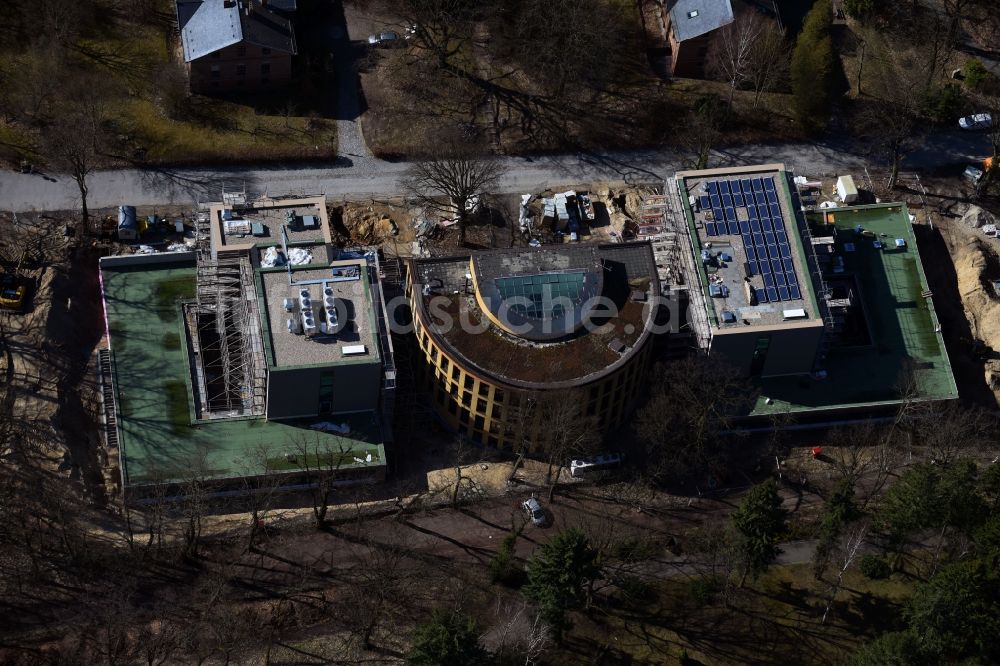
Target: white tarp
x,y
343,428
524,215
296,257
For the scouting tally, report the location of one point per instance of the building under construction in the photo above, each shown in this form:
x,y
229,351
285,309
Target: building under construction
x,y
262,352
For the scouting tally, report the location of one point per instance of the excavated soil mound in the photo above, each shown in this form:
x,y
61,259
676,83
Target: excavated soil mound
x,y
976,266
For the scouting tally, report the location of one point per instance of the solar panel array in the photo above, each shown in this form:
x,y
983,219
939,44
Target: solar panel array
x,y
763,232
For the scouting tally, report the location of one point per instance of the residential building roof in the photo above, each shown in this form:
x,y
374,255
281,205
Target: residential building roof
x,y
694,18
208,26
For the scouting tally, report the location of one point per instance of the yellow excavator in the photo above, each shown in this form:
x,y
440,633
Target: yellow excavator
x,y
13,286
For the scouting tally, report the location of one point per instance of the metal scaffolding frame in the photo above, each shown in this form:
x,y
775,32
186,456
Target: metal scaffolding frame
x,y
228,328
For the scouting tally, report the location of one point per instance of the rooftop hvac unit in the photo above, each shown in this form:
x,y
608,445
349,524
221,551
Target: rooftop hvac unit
x,y
293,326
308,323
304,293
289,304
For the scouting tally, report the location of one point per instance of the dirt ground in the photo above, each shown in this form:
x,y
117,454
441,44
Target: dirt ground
x,y
50,382
962,264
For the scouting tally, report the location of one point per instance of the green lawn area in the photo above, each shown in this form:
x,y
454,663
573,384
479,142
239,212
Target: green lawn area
x,y
157,437
775,620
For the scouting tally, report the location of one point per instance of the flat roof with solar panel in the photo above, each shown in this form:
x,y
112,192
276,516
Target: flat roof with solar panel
x,y
747,214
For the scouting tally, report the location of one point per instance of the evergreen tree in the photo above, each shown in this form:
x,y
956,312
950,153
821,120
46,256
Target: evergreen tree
x,y
449,639
814,68
559,576
956,613
760,523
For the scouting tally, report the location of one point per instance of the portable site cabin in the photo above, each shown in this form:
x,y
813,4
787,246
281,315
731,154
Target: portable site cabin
x,y
846,190
128,225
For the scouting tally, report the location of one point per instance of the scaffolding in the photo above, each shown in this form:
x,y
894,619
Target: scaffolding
x,y
697,312
226,318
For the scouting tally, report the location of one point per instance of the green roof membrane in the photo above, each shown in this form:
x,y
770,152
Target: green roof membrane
x,y
158,441
900,317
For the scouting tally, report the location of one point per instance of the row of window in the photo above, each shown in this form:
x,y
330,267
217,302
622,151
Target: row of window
x,y
479,413
242,51
241,70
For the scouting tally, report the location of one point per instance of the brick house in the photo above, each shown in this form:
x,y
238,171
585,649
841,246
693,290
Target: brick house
x,y
689,26
235,45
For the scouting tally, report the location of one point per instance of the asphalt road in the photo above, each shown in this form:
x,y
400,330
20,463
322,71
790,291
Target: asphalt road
x,y
362,177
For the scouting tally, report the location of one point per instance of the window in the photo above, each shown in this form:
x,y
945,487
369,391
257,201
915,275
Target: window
x,y
242,50
434,353
759,355
483,388
444,363
693,13
467,399
241,70
455,372
496,411
493,442
452,408
265,68
469,382
479,422
216,73
481,406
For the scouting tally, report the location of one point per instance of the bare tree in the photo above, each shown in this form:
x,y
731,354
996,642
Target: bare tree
x,y
195,489
768,61
260,484
451,184
691,404
519,635
320,459
732,49
850,548
568,431
703,130
78,137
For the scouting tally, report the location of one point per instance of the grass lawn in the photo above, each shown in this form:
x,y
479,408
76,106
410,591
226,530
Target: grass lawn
x,y
776,619
152,118
244,135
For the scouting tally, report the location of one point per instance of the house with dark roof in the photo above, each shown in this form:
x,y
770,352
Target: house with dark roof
x,y
236,44
690,25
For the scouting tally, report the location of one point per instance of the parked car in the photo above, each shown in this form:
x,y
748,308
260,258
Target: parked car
x,y
973,173
606,461
976,121
383,39
533,508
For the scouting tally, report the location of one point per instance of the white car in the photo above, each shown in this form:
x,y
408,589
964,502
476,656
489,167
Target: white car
x,y
384,39
534,510
580,467
976,121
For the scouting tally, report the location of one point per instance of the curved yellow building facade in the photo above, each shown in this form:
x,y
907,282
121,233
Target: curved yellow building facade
x,y
487,378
